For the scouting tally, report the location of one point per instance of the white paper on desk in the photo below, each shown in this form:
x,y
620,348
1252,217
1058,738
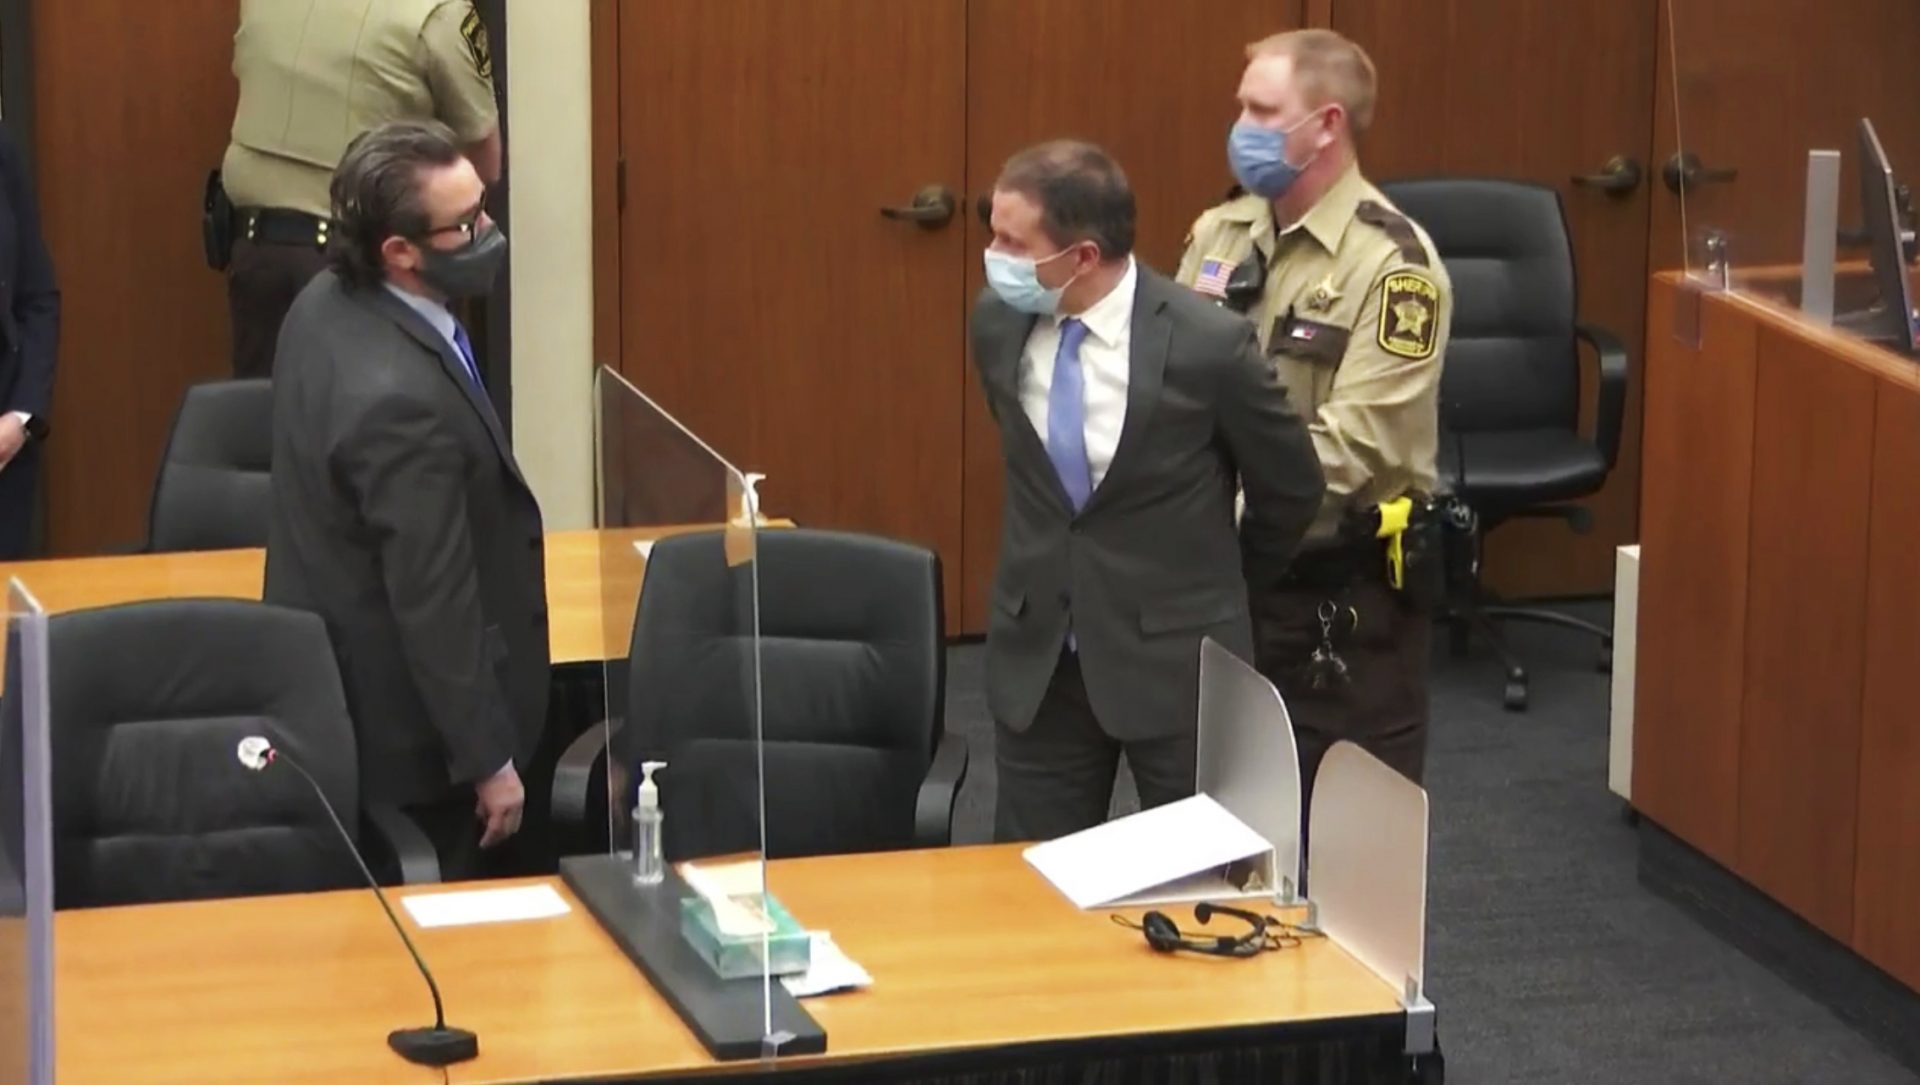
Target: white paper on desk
x,y
828,969
643,547
1149,850
468,906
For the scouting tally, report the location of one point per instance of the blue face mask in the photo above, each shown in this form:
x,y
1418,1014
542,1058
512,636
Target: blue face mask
x,y
1259,158
1017,280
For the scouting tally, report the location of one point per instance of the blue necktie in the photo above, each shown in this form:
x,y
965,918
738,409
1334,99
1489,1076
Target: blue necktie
x,y
1067,416
461,341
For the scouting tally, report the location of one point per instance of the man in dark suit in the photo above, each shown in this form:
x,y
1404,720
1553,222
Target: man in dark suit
x,y
399,514
1128,408
29,338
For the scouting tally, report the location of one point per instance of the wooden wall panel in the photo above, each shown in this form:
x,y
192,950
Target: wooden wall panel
x,y
1806,619
1151,81
1534,92
133,103
1886,929
1694,571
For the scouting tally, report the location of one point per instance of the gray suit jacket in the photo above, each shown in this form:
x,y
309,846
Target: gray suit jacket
x,y
400,517
1152,563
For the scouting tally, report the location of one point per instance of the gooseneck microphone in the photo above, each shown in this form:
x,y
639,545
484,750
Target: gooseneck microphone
x,y
436,1045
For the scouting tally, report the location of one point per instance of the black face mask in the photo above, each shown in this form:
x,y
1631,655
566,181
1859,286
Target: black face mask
x,y
468,271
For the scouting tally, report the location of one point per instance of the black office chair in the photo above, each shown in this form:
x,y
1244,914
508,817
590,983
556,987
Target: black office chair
x,y
1510,393
212,492
150,701
853,677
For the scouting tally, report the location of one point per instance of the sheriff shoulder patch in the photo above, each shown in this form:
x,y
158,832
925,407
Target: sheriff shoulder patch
x,y
475,32
1409,315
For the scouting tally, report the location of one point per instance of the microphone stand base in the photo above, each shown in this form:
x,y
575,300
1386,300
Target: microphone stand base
x,y
434,1046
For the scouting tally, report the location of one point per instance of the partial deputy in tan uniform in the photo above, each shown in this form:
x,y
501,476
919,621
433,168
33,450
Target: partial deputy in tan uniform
x,y
314,74
1352,306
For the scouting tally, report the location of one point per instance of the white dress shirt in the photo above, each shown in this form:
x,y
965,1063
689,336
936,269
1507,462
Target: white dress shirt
x,y
433,313
1104,358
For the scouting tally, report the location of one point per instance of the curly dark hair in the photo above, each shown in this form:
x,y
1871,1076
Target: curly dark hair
x,y
376,194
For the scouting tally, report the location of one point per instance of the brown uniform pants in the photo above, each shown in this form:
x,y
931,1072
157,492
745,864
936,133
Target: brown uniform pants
x,y
1383,709
262,282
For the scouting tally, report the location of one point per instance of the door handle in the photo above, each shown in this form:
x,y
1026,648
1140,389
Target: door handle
x,y
1685,170
931,208
1618,175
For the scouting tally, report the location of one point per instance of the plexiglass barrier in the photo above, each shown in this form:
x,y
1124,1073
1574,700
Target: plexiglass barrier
x,y
1247,761
1367,864
680,611
26,847
1794,142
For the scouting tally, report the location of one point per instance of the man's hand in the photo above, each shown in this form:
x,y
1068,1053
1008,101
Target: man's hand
x,y
13,437
501,799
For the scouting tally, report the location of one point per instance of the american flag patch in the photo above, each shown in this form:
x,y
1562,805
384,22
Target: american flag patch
x,y
1212,280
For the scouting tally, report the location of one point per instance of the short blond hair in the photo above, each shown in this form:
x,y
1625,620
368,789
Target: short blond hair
x,y
1329,67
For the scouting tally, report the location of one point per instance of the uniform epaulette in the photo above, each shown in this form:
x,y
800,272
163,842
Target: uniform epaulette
x,y
1399,229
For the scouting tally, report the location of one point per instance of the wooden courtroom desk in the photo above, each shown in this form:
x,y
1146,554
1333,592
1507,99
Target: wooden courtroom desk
x,y
579,631
969,948
1775,728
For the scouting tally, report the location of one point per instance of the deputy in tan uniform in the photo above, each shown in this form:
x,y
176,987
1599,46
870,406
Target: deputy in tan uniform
x,y
313,74
1352,305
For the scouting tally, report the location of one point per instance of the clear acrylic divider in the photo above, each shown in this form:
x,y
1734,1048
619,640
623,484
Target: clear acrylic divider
x,y
680,618
1247,761
1367,865
26,847
1806,211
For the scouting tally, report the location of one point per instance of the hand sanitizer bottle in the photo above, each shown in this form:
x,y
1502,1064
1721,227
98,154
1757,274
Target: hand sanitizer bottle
x,y
649,865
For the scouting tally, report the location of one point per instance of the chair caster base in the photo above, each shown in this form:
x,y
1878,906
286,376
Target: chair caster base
x,y
1515,699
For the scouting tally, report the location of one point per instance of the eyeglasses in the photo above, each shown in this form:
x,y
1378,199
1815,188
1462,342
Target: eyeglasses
x,y
466,227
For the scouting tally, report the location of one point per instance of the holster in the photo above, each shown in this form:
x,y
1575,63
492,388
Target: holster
x,y
216,223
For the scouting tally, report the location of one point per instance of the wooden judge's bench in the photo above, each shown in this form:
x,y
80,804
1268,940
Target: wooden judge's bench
x,y
1776,730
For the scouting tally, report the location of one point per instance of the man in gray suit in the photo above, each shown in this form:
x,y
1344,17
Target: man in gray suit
x,y
1129,408
399,514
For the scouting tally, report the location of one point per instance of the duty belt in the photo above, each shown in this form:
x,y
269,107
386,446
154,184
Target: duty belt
x,y
280,226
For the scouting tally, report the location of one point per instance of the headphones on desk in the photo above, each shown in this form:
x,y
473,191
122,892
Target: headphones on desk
x,y
1266,934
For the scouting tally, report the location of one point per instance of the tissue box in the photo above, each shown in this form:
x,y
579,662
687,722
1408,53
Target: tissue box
x,y
738,956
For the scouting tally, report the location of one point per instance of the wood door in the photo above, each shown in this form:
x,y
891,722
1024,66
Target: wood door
x,y
1536,92
764,299
1153,82
1758,86
132,107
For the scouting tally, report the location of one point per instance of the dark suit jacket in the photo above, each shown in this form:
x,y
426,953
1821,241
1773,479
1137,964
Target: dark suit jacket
x,y
400,517
1152,563
29,300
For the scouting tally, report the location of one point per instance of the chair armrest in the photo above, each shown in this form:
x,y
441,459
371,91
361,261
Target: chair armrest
x,y
406,842
933,808
1610,411
573,774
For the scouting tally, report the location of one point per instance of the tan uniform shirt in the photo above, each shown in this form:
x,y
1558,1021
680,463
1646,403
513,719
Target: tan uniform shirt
x,y
1355,317
315,73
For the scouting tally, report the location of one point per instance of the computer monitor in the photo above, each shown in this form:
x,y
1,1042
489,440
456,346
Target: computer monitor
x,y
1890,320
